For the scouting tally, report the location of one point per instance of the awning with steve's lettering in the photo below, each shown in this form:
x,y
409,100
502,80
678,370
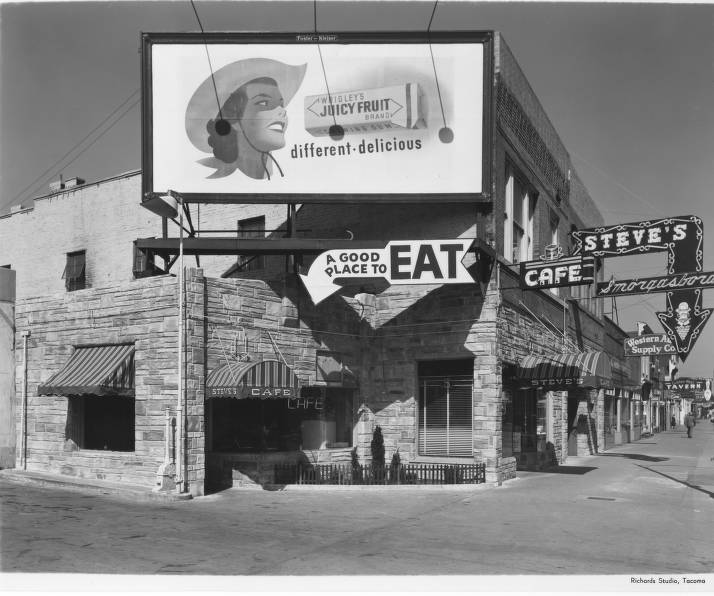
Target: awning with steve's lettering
x,y
267,379
565,371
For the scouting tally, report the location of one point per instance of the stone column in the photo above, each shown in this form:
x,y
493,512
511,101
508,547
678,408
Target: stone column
x,y
196,329
488,430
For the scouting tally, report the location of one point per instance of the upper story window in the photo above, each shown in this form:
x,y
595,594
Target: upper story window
x,y
144,263
554,237
74,271
518,221
251,228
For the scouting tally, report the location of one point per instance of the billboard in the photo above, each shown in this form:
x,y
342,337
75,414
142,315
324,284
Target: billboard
x,y
281,118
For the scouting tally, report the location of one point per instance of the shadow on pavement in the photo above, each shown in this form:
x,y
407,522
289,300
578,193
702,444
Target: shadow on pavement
x,y
573,469
634,456
684,482
561,470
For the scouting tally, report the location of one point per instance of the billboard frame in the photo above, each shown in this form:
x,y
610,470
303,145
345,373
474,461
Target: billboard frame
x,y
485,38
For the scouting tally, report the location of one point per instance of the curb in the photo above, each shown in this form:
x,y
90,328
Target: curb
x,y
371,487
133,492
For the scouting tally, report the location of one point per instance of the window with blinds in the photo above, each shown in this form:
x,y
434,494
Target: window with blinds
x,y
445,410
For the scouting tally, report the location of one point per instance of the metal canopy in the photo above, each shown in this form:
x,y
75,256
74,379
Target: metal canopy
x,y
262,246
253,246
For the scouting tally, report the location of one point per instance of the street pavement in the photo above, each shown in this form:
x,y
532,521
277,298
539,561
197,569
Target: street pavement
x,y
642,508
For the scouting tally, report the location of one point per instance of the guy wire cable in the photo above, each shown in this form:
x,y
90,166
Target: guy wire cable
x,y
336,131
222,126
210,67
76,146
446,135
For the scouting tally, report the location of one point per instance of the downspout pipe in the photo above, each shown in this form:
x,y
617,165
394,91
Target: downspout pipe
x,y
23,412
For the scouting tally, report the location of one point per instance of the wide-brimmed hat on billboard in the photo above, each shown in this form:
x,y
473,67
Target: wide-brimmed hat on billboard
x,y
202,106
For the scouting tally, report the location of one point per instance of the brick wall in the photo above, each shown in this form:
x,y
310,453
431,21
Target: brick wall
x,y
104,219
551,160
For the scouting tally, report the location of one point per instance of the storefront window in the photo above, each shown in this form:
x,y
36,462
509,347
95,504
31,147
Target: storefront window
x,y
524,421
320,418
445,408
101,422
637,414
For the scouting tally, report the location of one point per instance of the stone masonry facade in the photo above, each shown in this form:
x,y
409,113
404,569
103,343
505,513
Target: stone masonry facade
x,y
143,312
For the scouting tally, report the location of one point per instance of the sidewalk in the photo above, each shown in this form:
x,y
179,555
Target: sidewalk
x,y
670,454
130,491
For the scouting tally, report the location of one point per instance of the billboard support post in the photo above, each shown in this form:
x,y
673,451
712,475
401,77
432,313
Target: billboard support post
x,y
180,418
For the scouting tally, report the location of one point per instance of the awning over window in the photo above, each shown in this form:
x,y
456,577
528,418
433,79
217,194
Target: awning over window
x,y
94,370
268,379
563,371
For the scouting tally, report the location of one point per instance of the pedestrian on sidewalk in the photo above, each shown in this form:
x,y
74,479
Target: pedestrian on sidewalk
x,y
689,422
673,423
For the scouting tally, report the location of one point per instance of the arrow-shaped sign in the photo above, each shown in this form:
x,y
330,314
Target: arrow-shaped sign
x,y
400,262
683,239
684,319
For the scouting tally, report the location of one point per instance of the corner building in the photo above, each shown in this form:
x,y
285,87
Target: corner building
x,y
482,372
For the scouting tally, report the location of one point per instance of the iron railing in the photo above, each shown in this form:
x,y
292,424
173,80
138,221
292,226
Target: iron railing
x,y
346,474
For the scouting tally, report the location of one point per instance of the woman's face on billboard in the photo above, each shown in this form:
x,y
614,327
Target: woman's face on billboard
x,y
264,118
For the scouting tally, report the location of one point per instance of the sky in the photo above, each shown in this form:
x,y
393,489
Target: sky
x,y
629,87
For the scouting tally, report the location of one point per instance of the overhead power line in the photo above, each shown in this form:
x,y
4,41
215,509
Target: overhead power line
x,y
43,176
616,183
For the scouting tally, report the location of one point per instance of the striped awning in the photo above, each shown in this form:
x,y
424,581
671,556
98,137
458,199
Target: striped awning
x,y
563,371
267,379
94,370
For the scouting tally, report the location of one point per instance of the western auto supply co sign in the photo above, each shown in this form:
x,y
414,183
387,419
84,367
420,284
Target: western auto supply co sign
x,y
649,345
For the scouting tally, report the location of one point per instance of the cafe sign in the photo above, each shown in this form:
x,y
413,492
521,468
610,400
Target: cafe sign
x,y
557,273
